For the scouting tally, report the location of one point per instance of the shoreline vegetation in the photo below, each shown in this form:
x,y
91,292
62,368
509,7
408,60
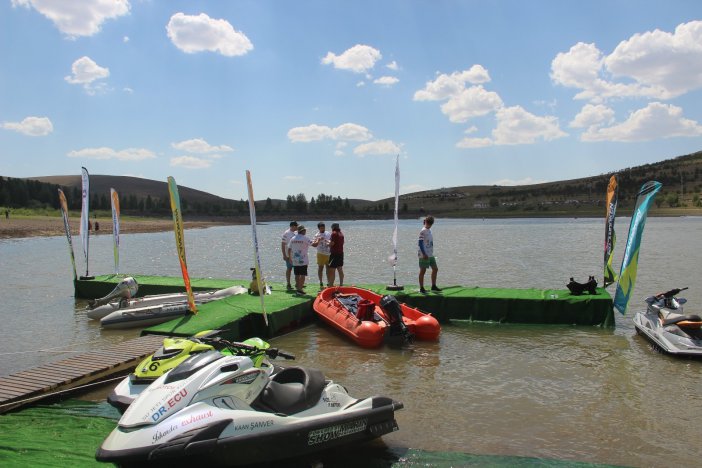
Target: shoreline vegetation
x,y
45,225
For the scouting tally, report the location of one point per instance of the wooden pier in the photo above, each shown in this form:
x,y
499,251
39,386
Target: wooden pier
x,y
28,386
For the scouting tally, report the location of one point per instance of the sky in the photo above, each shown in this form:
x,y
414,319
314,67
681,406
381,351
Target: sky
x,y
322,96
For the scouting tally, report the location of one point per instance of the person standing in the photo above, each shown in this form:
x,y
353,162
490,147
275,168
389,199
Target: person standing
x,y
323,237
336,256
426,255
297,253
287,235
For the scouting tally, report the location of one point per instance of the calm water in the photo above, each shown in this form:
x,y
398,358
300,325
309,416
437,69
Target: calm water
x,y
570,393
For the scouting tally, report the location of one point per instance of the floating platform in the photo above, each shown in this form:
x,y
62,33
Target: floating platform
x,y
240,316
31,385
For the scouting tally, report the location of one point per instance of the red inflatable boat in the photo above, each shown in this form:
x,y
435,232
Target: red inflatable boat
x,y
367,317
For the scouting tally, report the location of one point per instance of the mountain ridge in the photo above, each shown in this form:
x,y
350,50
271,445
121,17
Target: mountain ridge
x,y
681,175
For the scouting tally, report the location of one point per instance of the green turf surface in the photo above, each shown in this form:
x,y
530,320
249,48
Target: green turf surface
x,y
241,316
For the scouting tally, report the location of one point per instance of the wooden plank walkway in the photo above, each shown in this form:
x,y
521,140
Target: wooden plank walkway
x,y
30,385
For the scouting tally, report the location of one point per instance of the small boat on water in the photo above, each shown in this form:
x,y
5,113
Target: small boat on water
x,y
119,309
369,318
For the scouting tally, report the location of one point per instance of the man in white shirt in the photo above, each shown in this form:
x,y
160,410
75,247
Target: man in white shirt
x,y
323,250
297,254
425,252
287,235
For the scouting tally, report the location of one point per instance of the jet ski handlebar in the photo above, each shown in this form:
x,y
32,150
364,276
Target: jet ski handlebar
x,y
244,349
671,293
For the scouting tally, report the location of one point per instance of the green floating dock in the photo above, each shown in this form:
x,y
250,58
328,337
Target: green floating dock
x,y
240,316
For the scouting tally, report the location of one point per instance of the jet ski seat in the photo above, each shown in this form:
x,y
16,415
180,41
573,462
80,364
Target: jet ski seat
x,y
292,390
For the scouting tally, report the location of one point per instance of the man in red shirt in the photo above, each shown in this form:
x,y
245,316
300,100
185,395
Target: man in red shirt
x,y
336,256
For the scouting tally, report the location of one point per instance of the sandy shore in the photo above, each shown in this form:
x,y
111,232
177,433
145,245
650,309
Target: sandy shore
x,y
15,227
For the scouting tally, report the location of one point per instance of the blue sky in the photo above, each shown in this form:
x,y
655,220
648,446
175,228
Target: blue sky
x,y
319,96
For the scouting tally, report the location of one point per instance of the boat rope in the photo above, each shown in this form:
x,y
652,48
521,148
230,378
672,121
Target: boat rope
x,y
72,389
53,350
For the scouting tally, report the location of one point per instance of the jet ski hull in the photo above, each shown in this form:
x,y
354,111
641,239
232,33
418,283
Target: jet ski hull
x,y
649,325
238,437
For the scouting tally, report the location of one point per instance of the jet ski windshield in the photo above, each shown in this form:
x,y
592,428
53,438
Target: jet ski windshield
x,y
192,365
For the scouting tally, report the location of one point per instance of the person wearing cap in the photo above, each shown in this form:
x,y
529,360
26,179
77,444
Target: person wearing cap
x,y
297,253
336,256
287,235
323,237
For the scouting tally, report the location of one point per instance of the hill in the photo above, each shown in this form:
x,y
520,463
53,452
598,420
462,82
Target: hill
x,y
141,188
681,178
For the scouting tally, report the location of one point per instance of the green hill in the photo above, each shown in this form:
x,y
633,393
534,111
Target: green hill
x,y
681,178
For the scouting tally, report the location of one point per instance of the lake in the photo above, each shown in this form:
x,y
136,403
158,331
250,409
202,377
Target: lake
x,y
549,391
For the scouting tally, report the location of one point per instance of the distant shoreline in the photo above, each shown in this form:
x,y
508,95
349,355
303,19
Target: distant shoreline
x,y
46,226
16,227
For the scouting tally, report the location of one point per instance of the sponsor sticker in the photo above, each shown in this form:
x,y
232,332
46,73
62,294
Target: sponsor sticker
x,y
170,403
319,436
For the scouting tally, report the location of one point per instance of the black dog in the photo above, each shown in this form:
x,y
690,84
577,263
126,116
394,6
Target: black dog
x,y
576,289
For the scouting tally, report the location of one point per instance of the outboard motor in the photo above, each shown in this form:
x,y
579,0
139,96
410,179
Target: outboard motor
x,y
125,290
393,310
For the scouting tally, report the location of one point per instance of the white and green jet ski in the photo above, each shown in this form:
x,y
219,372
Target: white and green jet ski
x,y
176,350
222,409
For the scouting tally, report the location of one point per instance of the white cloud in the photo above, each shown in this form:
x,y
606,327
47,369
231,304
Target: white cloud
x,y
77,18
446,86
200,33
190,162
358,59
592,115
351,132
378,147
474,143
577,68
653,65
669,63
30,126
86,72
129,154
471,102
393,66
657,120
292,177
200,146
516,126
344,132
309,133
386,80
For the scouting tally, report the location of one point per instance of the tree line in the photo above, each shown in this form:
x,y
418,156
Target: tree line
x,y
34,194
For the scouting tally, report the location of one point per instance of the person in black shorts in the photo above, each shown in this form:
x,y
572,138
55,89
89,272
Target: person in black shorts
x,y
336,256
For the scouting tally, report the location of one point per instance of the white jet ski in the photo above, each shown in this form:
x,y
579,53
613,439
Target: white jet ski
x,y
119,309
667,327
176,350
222,409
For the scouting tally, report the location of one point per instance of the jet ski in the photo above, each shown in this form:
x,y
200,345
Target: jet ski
x,y
666,325
176,350
222,409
